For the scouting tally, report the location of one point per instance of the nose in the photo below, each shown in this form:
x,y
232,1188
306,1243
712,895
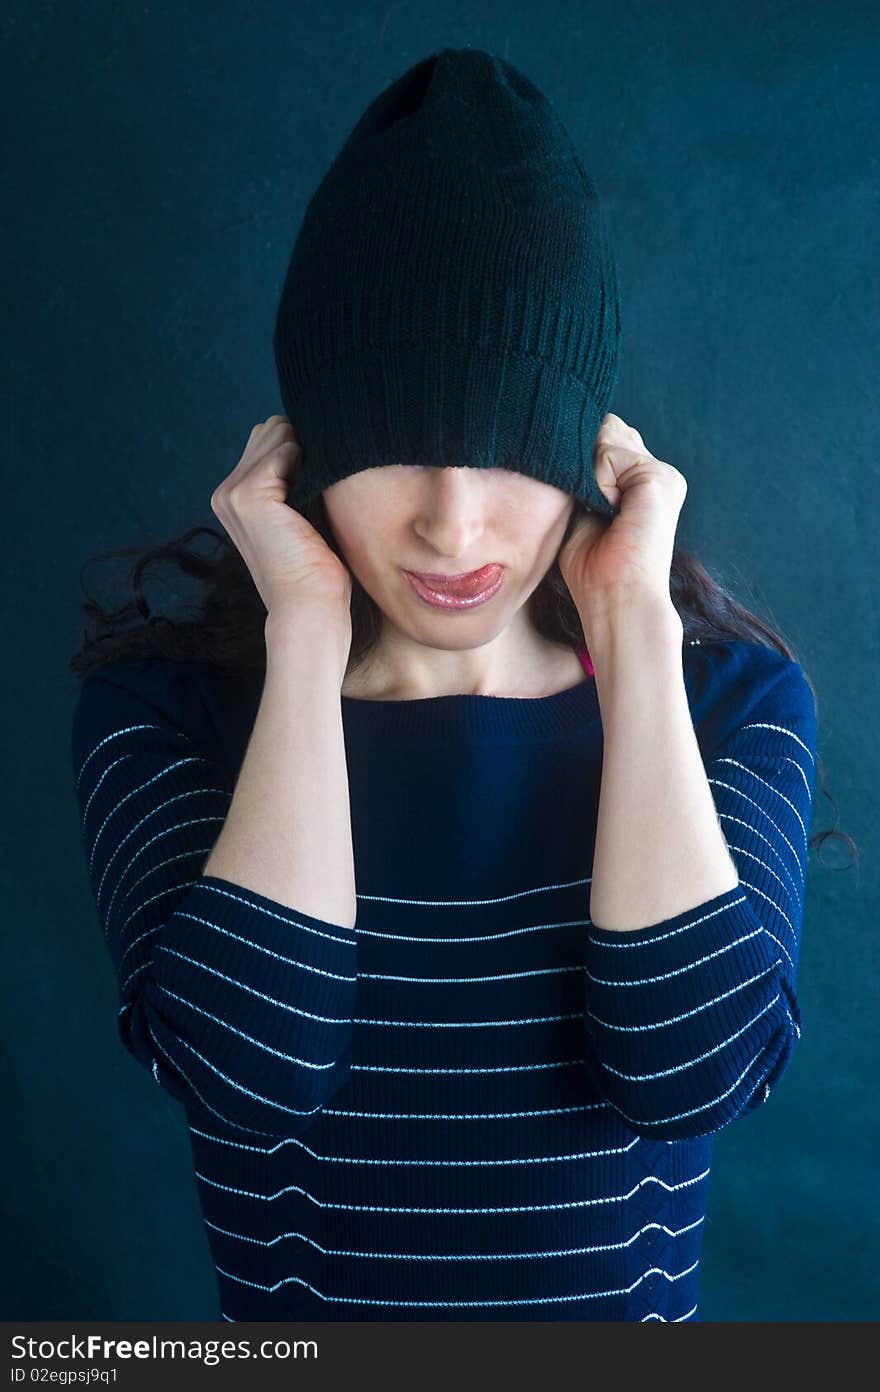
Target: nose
x,y
450,514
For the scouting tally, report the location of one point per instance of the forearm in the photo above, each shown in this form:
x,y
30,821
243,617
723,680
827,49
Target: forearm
x,y
659,846
288,834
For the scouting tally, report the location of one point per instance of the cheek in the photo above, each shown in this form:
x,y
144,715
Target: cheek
x,y
344,534
368,554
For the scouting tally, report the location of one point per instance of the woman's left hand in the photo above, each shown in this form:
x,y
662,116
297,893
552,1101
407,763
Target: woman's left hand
x,y
629,556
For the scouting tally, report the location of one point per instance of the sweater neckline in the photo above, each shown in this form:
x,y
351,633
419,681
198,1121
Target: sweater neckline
x,y
444,717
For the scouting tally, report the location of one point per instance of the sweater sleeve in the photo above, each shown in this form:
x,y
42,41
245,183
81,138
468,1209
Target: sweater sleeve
x,y
240,1007
692,1021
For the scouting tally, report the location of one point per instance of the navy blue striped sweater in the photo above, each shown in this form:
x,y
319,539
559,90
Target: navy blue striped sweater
x,y
474,1105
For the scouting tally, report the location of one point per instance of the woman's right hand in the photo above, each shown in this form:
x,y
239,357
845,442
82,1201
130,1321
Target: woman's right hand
x,y
290,563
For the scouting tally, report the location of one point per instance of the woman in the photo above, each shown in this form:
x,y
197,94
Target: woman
x,y
458,933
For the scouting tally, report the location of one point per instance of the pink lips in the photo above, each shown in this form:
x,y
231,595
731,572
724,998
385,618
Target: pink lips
x,y
457,591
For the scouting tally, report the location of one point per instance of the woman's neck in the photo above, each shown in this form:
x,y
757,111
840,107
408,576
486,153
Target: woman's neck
x,y
551,668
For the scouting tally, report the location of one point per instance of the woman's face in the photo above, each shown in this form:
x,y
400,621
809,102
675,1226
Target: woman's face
x,y
447,521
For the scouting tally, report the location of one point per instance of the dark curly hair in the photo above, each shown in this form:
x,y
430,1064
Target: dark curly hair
x,y
227,627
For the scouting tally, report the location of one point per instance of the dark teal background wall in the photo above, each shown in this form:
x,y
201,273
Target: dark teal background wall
x,y
158,161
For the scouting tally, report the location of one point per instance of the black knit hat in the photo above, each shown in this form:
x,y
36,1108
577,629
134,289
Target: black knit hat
x,y
451,298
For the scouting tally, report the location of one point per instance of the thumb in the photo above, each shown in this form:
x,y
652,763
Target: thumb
x,y
605,475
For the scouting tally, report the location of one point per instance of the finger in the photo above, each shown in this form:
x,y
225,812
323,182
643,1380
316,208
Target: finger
x,y
606,471
615,428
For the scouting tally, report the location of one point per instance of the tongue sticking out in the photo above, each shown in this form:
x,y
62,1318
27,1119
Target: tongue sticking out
x,y
473,585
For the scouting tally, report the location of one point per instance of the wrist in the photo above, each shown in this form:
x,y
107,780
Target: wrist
x,y
643,618
316,629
